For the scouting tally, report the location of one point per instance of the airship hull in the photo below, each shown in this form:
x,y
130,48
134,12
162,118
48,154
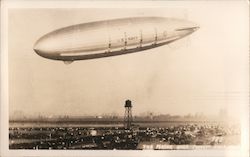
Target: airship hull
x,y
110,38
84,56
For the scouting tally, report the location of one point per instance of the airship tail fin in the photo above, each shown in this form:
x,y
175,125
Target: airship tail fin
x,y
67,62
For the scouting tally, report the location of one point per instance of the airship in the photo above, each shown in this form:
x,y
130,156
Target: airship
x,y
111,37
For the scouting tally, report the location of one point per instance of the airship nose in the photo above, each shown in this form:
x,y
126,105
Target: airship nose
x,y
39,50
41,47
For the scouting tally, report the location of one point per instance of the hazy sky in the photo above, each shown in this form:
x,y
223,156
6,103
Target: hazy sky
x,y
202,73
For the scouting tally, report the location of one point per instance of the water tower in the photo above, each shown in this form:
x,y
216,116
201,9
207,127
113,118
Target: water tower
x,y
128,114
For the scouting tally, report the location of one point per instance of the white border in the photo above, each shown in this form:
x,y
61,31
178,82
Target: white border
x,y
5,5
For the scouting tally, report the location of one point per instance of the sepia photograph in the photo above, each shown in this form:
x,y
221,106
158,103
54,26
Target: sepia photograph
x,y
162,77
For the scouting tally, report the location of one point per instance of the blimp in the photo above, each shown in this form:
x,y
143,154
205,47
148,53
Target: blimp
x,y
112,37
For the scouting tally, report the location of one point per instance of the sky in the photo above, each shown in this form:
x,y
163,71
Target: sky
x,y
203,73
